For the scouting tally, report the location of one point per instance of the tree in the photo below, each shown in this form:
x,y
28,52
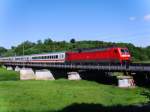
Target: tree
x,y
72,40
39,42
2,51
48,41
23,46
13,47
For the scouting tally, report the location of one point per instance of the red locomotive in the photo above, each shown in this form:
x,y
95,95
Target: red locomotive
x,y
100,55
86,56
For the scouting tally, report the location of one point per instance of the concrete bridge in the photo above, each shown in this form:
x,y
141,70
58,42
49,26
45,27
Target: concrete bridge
x,y
42,71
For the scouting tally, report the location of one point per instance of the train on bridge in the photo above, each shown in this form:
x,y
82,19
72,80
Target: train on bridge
x,y
113,55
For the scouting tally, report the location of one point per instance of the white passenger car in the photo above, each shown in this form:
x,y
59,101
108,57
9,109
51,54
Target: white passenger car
x,y
58,57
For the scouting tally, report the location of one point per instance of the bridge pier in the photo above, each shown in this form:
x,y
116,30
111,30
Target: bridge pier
x,y
126,82
44,75
17,69
9,68
4,67
73,76
27,74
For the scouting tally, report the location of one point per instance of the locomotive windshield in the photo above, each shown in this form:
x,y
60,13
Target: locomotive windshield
x,y
124,51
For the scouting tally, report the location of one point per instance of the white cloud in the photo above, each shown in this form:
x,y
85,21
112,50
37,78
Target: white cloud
x,y
147,17
132,18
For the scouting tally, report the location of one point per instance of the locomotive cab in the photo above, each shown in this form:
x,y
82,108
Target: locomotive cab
x,y
125,56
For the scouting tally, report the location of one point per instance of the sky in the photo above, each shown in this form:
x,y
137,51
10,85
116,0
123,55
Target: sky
x,y
103,20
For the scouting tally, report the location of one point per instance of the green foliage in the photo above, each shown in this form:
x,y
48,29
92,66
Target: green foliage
x,y
48,45
48,41
2,50
72,40
50,96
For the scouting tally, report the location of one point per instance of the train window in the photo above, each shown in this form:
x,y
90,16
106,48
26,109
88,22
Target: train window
x,y
57,56
62,56
124,51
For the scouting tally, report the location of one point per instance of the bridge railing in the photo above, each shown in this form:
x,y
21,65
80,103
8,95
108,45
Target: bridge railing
x,y
105,67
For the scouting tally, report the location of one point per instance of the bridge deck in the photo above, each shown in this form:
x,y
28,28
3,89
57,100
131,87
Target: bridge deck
x,y
105,67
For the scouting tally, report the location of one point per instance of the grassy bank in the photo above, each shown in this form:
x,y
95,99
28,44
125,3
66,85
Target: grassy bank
x,y
8,75
141,61
49,96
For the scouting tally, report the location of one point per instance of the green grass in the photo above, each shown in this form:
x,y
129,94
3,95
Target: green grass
x,y
141,61
47,96
8,75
